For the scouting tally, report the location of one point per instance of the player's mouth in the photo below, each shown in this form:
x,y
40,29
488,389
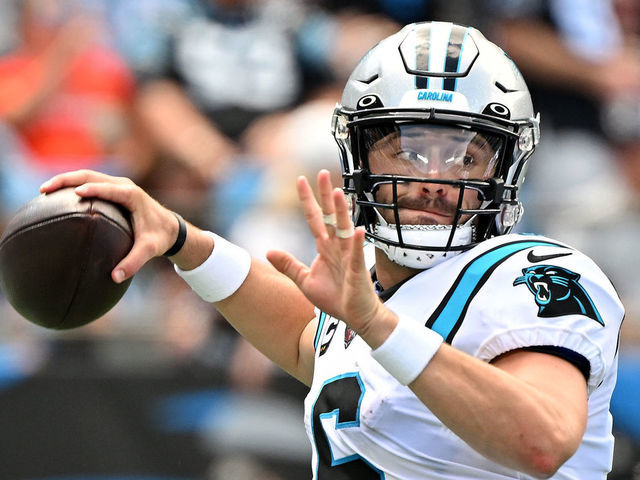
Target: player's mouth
x,y
412,216
420,212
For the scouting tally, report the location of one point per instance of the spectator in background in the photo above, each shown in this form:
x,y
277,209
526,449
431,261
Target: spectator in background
x,y
8,13
64,97
621,116
204,76
468,12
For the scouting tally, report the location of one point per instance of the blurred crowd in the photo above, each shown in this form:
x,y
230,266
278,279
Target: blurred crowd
x,y
216,106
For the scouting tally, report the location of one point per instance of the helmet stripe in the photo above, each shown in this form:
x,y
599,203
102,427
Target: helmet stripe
x,y
440,35
438,52
423,45
454,52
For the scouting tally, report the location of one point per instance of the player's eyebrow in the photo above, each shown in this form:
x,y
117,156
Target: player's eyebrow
x,y
387,140
482,142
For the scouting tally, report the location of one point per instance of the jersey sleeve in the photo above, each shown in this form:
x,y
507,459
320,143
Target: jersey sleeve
x,y
548,299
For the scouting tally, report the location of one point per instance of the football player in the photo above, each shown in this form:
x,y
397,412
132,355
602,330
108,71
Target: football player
x,y
461,351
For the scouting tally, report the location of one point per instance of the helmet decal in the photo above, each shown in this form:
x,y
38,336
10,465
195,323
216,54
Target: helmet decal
x,y
369,101
497,109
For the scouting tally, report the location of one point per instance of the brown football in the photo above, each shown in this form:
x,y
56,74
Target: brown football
x,y
56,258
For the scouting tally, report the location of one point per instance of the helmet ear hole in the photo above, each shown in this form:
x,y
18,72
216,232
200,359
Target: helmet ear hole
x,y
369,101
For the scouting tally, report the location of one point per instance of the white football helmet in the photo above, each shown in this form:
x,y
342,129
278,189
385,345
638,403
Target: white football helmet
x,y
421,100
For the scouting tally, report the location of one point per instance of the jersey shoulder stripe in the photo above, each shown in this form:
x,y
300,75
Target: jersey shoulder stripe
x,y
449,314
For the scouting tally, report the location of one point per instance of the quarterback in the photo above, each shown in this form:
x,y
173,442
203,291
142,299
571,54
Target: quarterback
x,y
435,342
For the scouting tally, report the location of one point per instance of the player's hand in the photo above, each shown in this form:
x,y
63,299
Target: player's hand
x,y
337,282
155,227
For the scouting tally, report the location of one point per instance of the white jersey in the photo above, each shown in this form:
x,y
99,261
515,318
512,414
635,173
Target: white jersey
x,y
510,292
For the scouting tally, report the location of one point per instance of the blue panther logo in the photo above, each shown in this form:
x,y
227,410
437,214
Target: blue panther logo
x,y
557,292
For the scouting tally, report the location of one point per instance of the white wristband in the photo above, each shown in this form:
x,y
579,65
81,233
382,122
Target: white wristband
x,y
408,349
221,274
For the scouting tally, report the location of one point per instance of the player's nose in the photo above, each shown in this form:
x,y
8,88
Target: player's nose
x,y
431,189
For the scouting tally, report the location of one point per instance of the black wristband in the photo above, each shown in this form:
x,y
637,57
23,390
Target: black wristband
x,y
182,236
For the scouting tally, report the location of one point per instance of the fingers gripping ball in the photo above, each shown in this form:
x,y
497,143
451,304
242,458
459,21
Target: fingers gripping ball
x,y
56,258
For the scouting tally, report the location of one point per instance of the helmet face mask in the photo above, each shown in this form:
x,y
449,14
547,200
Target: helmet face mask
x,y
433,160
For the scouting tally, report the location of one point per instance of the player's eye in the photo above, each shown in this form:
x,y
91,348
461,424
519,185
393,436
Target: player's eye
x,y
410,156
468,160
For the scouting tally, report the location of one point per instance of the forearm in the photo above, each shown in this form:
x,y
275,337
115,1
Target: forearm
x,y
500,415
272,314
178,128
20,104
541,55
267,308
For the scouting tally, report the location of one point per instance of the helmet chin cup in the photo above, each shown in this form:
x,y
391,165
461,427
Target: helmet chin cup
x,y
417,234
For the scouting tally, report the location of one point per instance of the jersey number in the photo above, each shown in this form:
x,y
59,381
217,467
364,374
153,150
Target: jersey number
x,y
340,397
